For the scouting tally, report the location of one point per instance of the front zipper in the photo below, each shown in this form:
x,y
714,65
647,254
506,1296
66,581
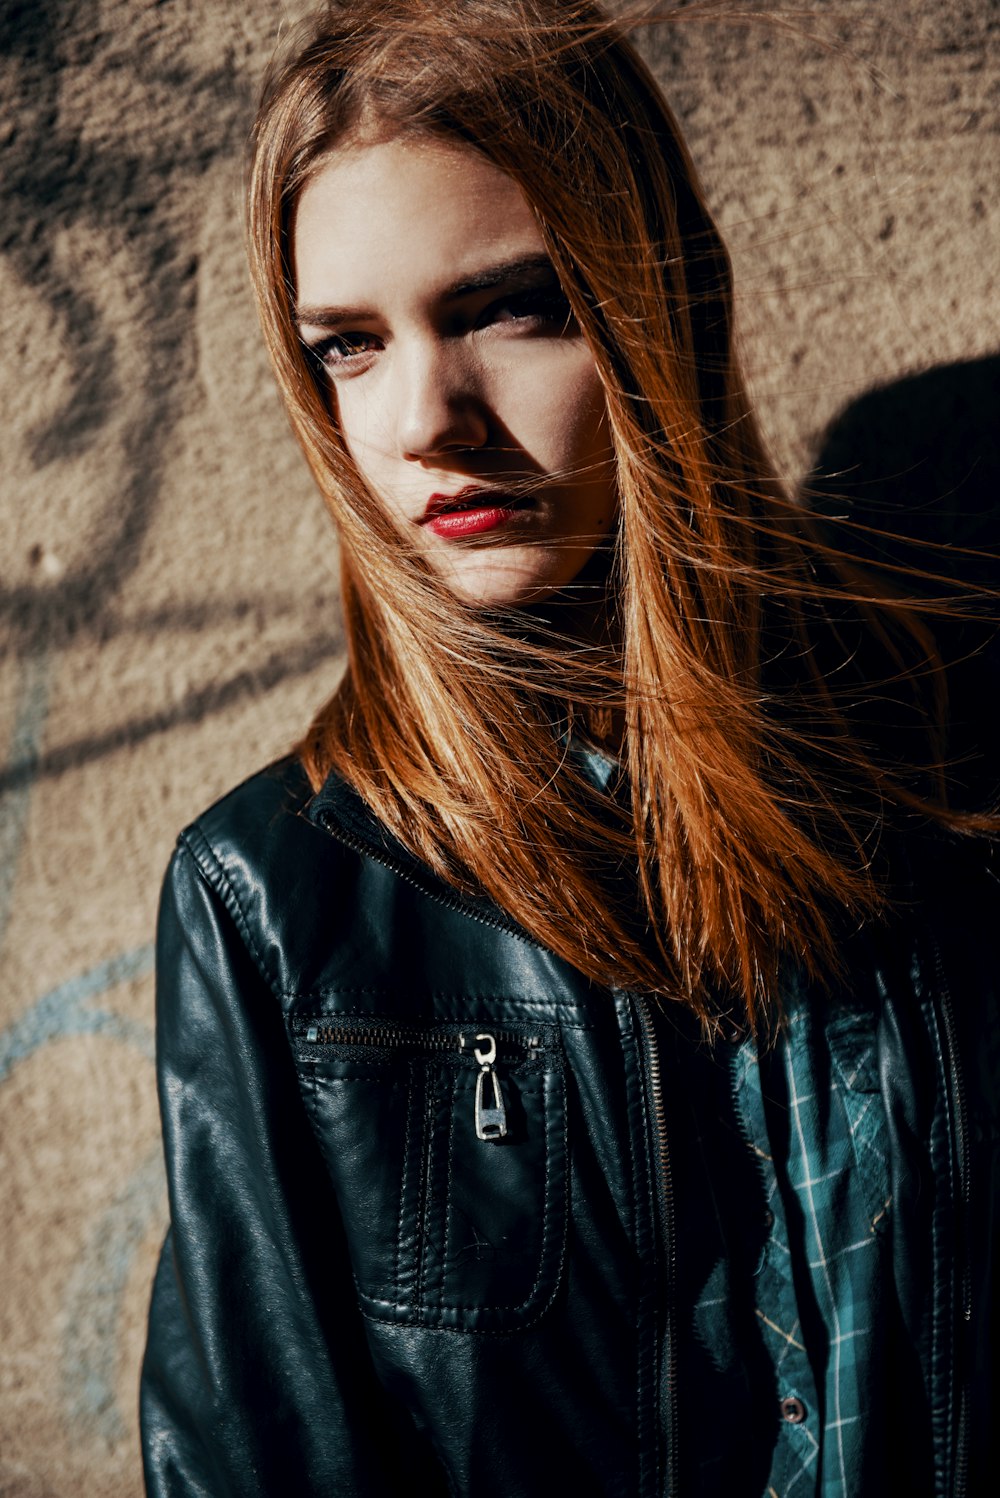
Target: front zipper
x,y
960,1111
668,1235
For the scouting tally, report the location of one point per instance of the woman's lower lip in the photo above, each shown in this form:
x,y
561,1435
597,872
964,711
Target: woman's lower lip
x,y
452,524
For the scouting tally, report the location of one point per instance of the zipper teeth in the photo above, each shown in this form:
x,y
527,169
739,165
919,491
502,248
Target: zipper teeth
x,y
449,901
380,1038
383,1038
665,1183
962,1130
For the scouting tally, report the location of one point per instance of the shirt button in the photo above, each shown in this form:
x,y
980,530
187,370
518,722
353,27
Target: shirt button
x,y
769,1219
793,1410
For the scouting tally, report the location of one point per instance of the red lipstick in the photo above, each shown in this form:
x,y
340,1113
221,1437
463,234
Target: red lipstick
x,y
470,512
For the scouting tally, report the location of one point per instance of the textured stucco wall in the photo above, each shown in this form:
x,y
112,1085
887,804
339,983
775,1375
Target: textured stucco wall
x,y
168,579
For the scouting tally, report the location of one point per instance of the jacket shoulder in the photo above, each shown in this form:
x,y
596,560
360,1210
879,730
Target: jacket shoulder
x,y
276,873
263,803
327,902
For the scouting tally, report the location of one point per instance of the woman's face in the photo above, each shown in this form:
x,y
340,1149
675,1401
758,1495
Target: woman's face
x,y
455,368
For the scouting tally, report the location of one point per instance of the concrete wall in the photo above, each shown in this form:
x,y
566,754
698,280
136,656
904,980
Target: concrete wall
x,y
168,594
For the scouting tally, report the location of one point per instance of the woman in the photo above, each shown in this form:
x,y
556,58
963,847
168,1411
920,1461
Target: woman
x,y
576,1061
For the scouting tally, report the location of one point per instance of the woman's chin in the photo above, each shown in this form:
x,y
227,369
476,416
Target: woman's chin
x,y
512,577
497,583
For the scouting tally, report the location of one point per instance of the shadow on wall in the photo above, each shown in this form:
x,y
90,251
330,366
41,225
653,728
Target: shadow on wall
x,y
918,462
199,703
921,458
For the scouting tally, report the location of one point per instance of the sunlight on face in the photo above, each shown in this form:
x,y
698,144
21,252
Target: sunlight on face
x,y
465,392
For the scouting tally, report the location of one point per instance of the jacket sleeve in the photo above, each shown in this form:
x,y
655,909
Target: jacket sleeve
x,y
257,1377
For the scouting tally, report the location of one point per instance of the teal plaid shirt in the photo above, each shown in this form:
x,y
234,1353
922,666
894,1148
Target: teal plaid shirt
x,y
785,1296
785,1304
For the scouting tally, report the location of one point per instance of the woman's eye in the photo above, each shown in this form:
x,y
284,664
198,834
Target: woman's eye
x,y
342,353
543,306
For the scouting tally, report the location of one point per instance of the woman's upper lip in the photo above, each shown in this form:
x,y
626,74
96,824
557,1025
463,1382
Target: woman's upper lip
x,y
439,504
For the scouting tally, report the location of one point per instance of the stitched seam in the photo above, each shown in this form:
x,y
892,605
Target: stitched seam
x,y
554,1022
547,1229
416,1313
208,863
547,1232
218,881
404,1174
433,1243
442,1160
415,1305
445,1264
563,1121
423,1200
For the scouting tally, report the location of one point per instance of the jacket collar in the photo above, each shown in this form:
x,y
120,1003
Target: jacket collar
x,y
339,810
337,805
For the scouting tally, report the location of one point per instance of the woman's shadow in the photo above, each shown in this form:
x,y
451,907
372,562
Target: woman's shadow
x,y
914,467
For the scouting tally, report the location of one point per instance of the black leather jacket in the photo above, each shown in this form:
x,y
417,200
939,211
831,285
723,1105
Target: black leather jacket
x,y
359,1291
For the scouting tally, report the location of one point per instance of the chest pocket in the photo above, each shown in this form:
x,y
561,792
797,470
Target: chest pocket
x,y
450,1167
854,1051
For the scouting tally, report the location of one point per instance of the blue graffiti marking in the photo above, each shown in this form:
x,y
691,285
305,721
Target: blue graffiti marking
x,y
94,1300
63,1011
96,1289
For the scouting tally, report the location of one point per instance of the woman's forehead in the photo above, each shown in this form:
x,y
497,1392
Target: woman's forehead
x,y
376,215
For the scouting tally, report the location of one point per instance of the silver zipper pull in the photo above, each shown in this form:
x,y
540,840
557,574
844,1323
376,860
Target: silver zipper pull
x,y
491,1115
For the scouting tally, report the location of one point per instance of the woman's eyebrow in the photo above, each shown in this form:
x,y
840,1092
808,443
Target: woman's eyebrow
x,y
526,268
329,317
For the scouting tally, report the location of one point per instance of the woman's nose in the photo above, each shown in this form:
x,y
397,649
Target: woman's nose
x,y
440,403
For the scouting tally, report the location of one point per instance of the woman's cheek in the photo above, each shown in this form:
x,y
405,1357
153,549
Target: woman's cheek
x,y
362,426
551,402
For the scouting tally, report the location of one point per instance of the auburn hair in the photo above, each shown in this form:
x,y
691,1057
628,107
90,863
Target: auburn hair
x,y
743,828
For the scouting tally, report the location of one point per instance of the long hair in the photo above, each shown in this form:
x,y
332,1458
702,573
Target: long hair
x,y
744,826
